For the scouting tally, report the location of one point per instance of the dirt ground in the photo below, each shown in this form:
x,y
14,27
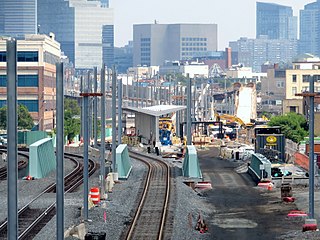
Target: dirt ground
x,y
241,210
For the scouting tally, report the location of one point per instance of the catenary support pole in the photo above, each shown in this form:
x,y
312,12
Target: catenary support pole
x,y
114,116
12,157
119,111
311,148
103,129
95,108
189,98
60,151
85,157
82,108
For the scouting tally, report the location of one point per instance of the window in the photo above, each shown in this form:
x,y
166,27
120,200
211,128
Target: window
x,y
294,90
280,84
305,78
3,80
316,78
305,89
27,80
293,109
23,81
27,56
294,78
32,105
3,56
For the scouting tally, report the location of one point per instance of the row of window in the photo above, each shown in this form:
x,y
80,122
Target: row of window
x,y
23,80
191,53
194,49
22,56
193,39
305,78
194,44
145,49
32,105
145,44
304,89
145,39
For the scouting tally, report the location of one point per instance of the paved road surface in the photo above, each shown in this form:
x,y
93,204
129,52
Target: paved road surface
x,y
241,210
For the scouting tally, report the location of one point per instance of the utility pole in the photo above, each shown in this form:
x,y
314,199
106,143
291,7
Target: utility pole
x,y
60,151
114,118
311,94
95,108
189,120
12,126
103,129
119,111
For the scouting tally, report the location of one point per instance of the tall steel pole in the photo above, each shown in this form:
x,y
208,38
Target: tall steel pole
x,y
12,123
103,129
114,116
60,151
82,108
189,120
311,149
119,111
85,156
95,108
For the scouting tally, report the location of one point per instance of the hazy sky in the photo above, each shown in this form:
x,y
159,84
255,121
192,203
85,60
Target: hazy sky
x,y
235,18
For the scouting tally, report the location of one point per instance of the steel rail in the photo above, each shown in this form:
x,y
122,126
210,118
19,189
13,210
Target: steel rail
x,y
142,202
48,210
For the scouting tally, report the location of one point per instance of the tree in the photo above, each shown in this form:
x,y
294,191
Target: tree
x,y
294,126
25,120
71,118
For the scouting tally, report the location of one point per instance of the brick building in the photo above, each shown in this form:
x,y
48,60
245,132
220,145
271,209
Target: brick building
x,y
36,59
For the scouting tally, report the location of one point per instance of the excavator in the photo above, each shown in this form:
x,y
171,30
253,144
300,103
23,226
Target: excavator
x,y
231,119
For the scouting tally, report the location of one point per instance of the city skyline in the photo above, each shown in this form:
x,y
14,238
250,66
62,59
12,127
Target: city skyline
x,y
240,23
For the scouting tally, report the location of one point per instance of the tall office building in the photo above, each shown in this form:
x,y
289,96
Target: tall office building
x,y
18,17
275,21
310,29
84,29
153,44
255,52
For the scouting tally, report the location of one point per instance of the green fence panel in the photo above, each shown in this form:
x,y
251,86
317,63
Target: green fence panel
x,y
191,166
42,158
123,166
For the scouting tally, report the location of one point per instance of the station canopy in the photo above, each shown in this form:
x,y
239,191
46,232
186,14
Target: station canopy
x,y
147,119
156,111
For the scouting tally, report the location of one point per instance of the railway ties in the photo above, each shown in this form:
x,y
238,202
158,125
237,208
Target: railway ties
x,y
150,218
41,209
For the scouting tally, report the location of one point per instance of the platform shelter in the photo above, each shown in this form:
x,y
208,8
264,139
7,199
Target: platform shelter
x,y
147,119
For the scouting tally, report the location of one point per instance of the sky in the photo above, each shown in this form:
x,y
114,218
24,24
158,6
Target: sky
x,y
235,18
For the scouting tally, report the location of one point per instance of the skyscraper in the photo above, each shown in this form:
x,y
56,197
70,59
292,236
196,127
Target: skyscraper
x,y
153,44
84,29
310,29
18,17
275,21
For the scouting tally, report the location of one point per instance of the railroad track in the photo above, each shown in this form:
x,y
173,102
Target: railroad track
x,y
150,218
39,211
22,163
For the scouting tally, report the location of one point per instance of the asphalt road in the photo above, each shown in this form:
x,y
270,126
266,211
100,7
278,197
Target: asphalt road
x,y
240,209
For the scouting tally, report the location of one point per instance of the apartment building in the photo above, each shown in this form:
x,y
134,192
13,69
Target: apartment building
x,y
36,56
297,81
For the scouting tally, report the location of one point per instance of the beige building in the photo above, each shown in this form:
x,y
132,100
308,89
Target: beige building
x,y
297,81
273,90
37,56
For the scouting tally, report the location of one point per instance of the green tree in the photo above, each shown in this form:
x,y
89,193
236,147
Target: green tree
x,y
25,120
294,126
71,118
